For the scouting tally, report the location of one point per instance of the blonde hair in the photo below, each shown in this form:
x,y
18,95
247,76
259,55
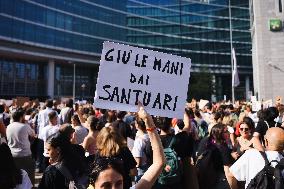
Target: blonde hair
x,y
109,142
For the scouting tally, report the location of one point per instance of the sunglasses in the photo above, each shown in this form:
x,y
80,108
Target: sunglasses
x,y
244,129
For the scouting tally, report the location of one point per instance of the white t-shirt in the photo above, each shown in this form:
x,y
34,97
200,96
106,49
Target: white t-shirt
x,y
18,139
139,146
80,132
43,118
26,182
251,163
45,133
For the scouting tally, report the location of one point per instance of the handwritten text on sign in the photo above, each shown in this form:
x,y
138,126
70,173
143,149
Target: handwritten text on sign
x,y
129,74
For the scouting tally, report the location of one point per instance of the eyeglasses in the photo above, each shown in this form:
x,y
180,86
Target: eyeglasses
x,y
244,129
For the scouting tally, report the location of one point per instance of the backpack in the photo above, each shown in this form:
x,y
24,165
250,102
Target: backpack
x,y
208,172
175,174
269,177
202,127
79,183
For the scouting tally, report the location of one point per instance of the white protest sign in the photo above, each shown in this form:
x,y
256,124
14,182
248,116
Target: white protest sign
x,y
129,74
256,106
268,103
253,98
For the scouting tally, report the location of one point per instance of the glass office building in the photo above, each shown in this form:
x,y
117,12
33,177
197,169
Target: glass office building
x,y
42,42
200,30
45,43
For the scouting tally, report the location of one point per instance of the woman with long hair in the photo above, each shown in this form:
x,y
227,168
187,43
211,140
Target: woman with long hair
x,y
65,164
221,158
110,144
108,172
89,143
244,142
10,175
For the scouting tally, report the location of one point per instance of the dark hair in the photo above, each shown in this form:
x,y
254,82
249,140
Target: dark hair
x,y
197,113
250,123
209,106
103,163
180,124
69,103
2,108
218,115
140,123
94,123
217,132
52,115
10,175
164,123
120,114
261,115
76,118
271,113
49,103
18,114
68,156
67,130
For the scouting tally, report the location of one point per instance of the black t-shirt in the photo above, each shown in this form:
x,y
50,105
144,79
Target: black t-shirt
x,y
53,179
222,156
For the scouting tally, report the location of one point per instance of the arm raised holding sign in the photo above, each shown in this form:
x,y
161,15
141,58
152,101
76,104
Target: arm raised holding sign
x,y
109,171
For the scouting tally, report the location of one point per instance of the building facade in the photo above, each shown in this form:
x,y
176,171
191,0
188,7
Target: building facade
x,y
45,44
199,30
268,42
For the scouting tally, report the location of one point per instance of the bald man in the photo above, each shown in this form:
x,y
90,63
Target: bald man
x,y
252,162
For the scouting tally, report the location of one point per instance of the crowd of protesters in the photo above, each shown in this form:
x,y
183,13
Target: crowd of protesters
x,y
218,146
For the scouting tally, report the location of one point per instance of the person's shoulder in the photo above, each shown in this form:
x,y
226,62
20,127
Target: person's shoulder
x,y
252,153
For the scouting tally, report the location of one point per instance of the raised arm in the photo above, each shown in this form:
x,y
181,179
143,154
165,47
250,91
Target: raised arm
x,y
151,175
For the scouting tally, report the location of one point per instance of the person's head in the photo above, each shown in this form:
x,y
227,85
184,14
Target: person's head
x,y
19,115
75,120
197,113
107,173
248,108
67,131
111,117
69,103
52,117
180,124
208,107
140,124
49,103
94,123
274,139
217,133
109,142
120,114
10,175
247,127
271,113
163,123
218,117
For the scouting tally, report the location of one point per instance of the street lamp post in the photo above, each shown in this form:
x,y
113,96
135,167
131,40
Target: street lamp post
x,y
74,81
